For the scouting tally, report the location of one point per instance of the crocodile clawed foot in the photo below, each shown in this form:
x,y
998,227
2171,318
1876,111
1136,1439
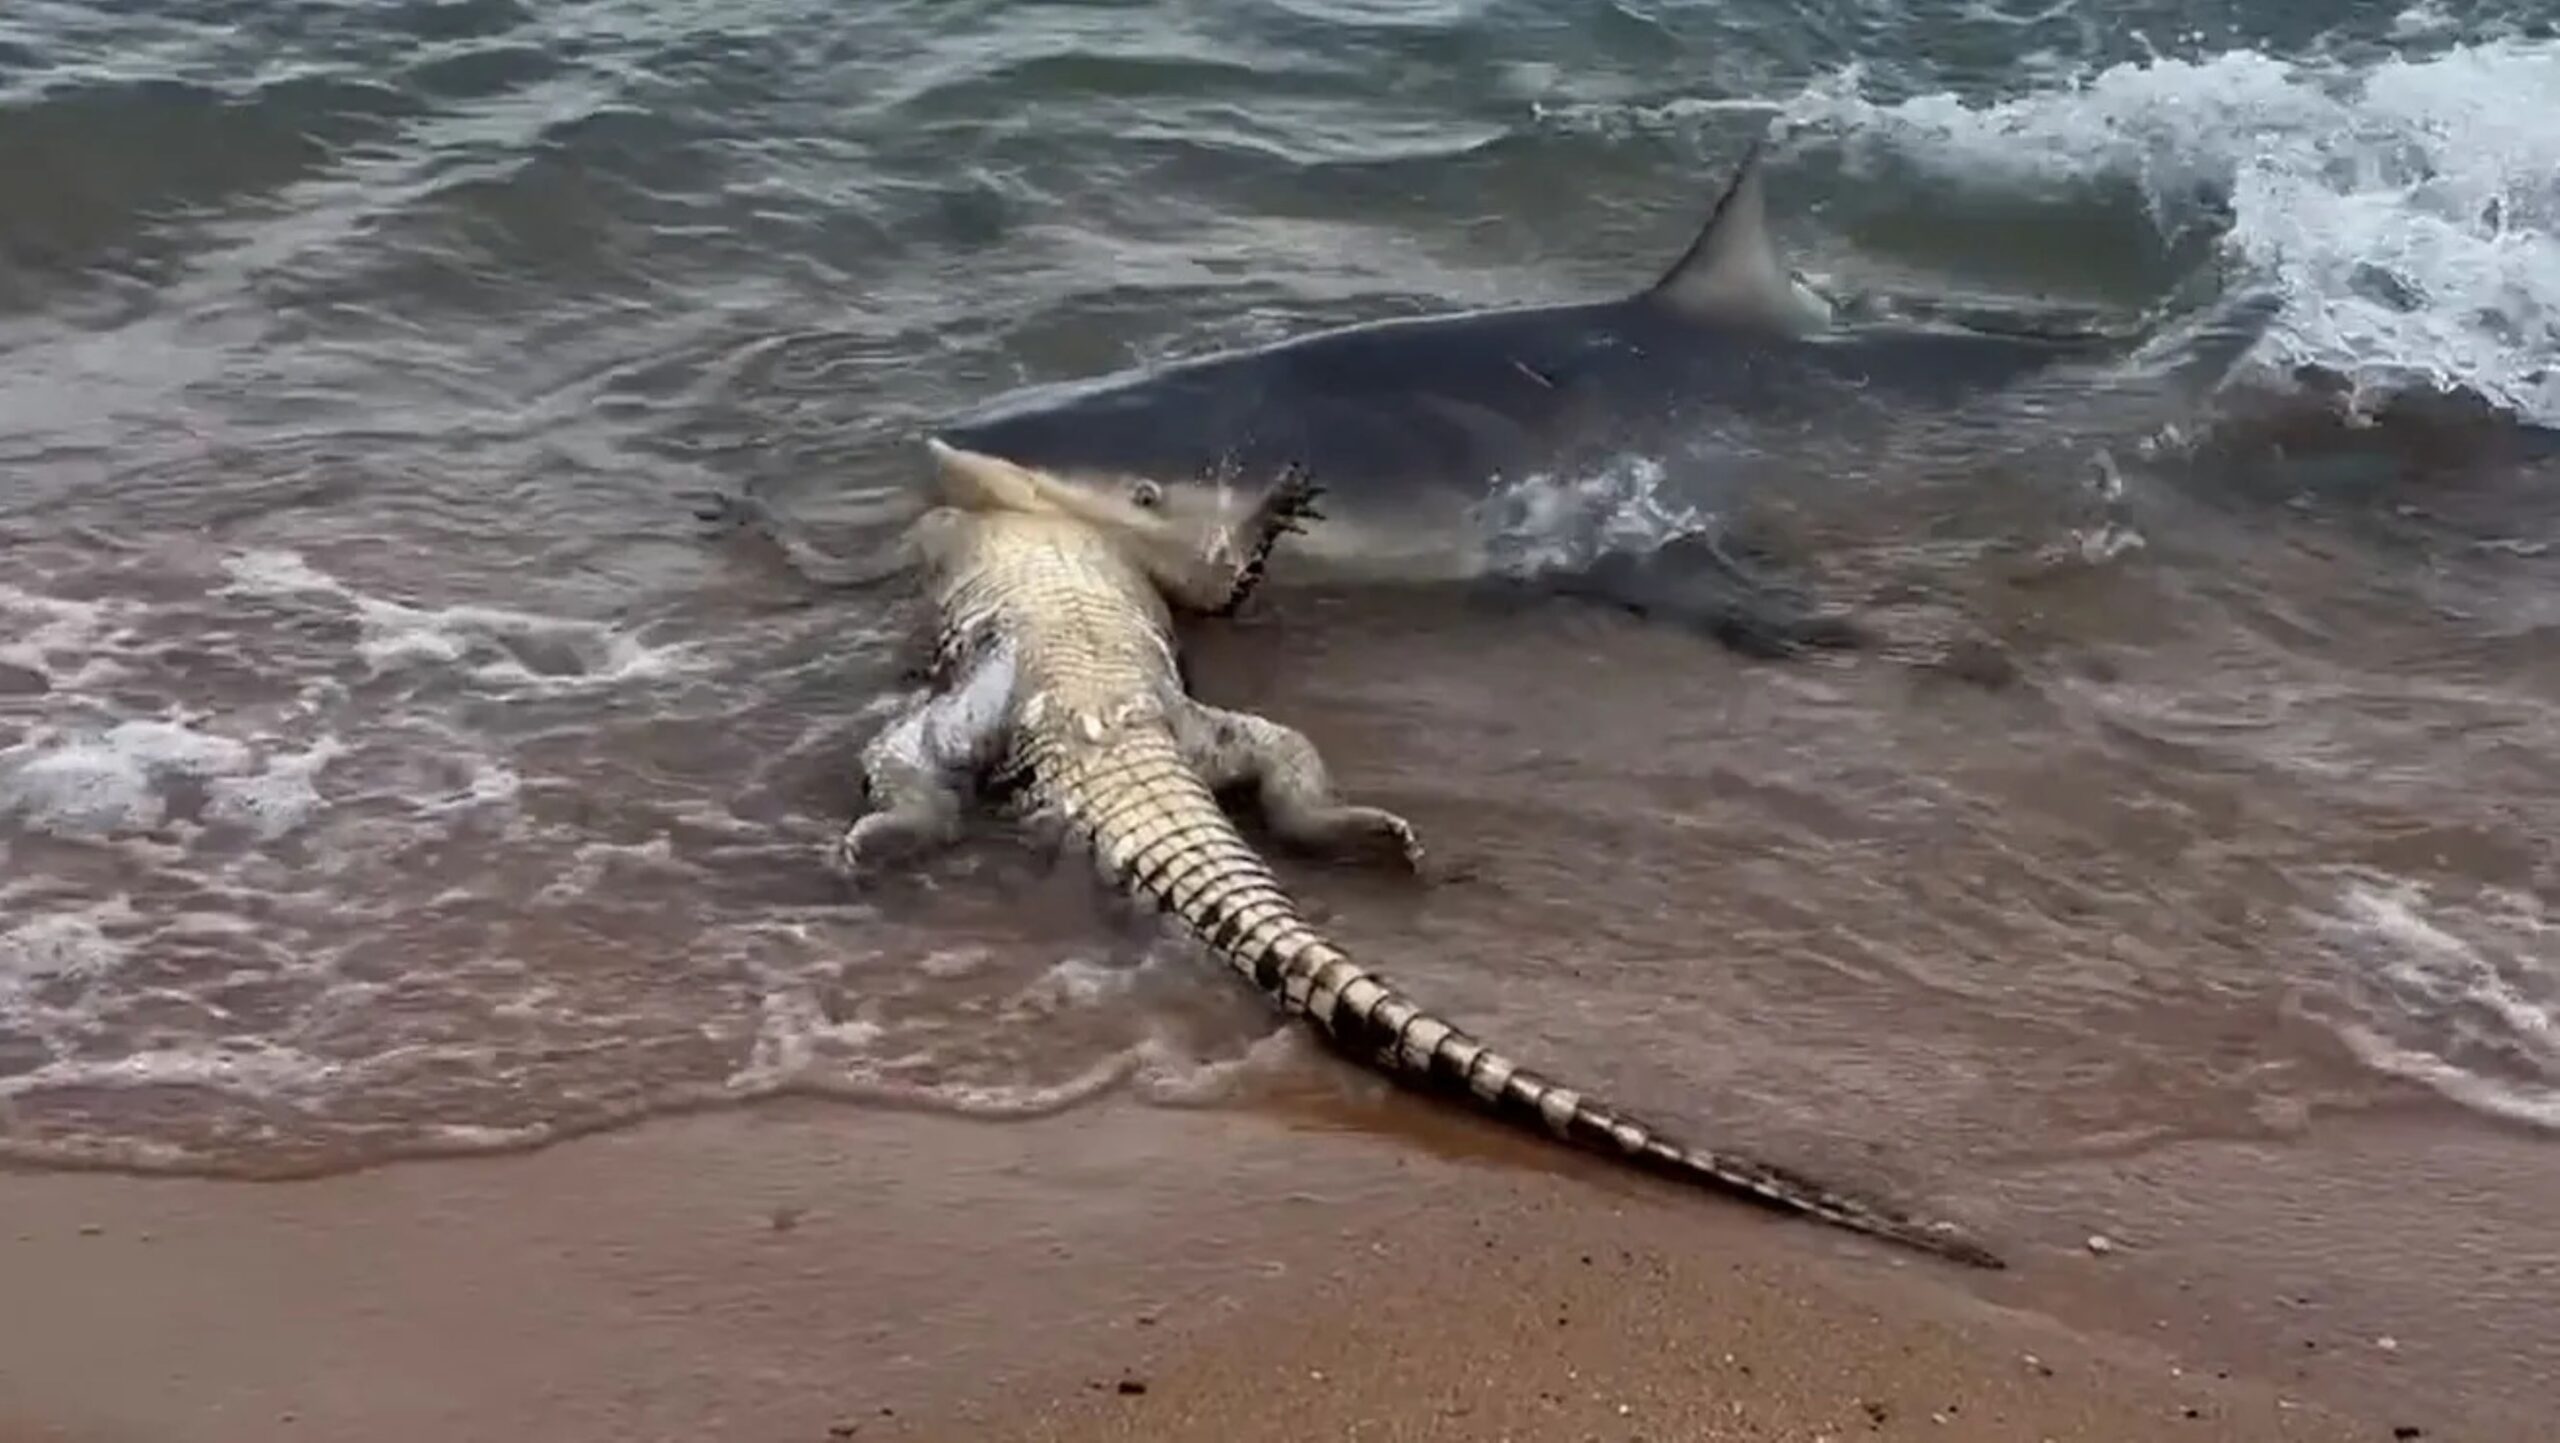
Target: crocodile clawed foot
x,y
845,855
1388,824
879,839
1285,507
1356,831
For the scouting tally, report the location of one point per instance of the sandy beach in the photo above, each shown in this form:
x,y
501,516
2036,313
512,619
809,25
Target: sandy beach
x,y
813,1272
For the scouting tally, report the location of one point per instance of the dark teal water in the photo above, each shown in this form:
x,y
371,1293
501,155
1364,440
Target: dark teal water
x,y
384,766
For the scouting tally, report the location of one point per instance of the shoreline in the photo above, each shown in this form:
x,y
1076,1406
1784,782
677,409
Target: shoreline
x,y
812,1271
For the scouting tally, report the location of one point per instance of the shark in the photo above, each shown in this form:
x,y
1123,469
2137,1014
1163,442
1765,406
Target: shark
x,y
1417,422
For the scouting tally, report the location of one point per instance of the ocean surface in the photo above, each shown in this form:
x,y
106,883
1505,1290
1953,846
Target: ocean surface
x,y
387,767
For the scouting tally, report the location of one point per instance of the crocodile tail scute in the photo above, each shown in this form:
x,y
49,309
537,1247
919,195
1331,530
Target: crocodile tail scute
x,y
1372,1019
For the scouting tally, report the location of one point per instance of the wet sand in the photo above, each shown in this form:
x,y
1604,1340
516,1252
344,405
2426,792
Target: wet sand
x,y
807,1271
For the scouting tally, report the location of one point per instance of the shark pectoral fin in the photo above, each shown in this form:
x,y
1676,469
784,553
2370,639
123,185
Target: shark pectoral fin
x,y
1731,272
1691,581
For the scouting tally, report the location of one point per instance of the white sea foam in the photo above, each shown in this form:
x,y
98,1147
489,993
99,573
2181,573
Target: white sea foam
x,y
591,862
253,1067
1550,521
56,946
792,1031
1071,983
799,1049
486,783
63,641
110,780
996,1099
243,835
2461,993
278,797
118,779
2405,212
1170,1079
500,647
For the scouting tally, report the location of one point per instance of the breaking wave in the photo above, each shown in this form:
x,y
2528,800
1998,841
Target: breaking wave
x,y
2405,210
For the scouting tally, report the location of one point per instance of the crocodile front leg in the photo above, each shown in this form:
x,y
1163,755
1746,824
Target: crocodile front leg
x,y
1218,579
1232,748
1288,506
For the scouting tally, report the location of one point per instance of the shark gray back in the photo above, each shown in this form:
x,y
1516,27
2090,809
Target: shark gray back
x,y
1413,421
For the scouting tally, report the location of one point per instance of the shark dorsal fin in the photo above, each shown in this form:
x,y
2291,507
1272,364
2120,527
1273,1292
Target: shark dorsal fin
x,y
1731,271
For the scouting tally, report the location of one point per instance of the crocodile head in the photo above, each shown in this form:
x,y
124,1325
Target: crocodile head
x,y
1198,543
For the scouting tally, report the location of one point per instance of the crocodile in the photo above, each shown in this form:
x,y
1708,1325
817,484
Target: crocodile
x,y
1056,684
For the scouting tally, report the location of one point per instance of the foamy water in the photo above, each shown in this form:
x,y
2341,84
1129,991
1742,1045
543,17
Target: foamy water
x,y
201,896
2458,989
351,910
2406,210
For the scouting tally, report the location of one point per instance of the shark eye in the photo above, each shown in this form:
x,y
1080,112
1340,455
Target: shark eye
x,y
1147,494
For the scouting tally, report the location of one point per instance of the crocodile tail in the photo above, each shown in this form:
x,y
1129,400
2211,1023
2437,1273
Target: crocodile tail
x,y
1161,834
1370,1018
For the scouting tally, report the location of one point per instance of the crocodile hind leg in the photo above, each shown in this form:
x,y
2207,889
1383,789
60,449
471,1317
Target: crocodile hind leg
x,y
1233,748
916,799
921,769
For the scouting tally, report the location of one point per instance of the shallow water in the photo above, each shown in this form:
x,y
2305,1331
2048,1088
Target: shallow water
x,y
385,766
